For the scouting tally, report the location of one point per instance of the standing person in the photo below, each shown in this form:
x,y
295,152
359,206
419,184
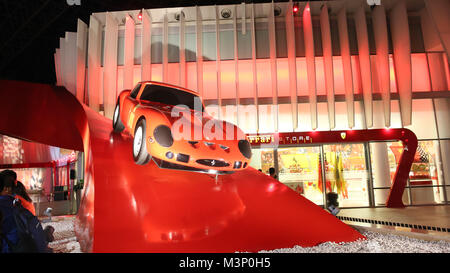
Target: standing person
x,y
22,231
1,232
8,231
332,203
272,173
19,191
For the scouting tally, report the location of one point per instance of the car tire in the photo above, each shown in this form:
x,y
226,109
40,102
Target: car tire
x,y
117,121
140,153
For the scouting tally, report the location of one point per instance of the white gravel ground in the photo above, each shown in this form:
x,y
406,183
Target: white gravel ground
x,y
375,243
65,242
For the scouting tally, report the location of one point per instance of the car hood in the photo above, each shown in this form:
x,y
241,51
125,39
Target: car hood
x,y
202,126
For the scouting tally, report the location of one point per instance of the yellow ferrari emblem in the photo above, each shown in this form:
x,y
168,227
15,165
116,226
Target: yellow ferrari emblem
x,y
343,135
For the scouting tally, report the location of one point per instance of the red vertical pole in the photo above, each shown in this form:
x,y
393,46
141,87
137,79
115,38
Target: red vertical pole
x,y
54,176
68,180
410,143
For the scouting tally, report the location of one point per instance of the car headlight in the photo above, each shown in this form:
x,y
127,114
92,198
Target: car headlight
x,y
245,148
163,136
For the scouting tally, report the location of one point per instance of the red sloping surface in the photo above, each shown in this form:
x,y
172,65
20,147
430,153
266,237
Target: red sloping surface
x,y
132,208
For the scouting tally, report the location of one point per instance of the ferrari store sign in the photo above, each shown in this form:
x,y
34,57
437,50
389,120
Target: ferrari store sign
x,y
322,137
276,139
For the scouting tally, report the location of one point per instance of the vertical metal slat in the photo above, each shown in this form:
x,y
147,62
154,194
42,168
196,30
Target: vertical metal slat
x,y
110,65
364,61
346,66
310,64
128,53
328,63
236,64
165,49
402,59
146,63
255,72
199,30
218,68
94,63
81,60
382,47
273,64
182,31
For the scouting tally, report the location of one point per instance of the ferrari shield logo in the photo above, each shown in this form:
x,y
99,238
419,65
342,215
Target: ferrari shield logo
x,y
343,135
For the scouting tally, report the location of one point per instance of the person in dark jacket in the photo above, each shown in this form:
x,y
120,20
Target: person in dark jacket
x,y
10,210
8,224
19,191
332,203
1,231
272,173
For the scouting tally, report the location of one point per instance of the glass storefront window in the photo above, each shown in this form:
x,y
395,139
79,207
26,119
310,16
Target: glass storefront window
x,y
384,157
262,159
346,171
427,195
443,162
381,196
299,168
347,174
425,180
423,177
442,107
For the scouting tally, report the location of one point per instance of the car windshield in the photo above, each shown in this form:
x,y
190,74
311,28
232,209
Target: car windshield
x,y
171,96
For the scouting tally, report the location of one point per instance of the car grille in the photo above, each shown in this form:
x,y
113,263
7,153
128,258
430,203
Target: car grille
x,y
213,162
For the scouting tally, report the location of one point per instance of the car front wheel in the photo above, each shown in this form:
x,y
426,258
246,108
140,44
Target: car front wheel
x,y
140,153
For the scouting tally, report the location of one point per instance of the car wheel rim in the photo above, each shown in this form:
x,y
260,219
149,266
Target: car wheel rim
x,y
116,114
137,141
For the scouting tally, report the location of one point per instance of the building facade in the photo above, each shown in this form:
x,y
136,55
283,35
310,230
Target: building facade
x,y
326,65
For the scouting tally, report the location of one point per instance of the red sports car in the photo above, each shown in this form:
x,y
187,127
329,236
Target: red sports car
x,y
170,126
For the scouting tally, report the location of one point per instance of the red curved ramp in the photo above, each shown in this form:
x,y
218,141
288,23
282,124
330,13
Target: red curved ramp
x,y
131,208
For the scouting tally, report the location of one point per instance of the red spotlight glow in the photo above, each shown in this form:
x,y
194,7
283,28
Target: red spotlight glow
x,y
140,15
271,187
295,8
